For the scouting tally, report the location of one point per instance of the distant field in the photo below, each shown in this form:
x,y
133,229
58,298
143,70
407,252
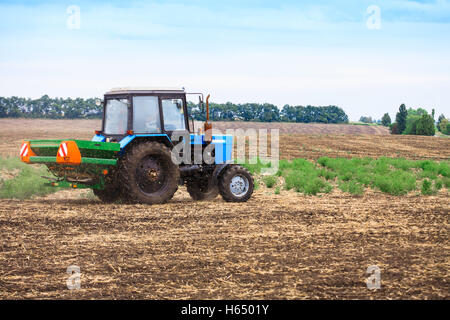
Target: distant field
x,y
374,146
304,128
13,131
297,140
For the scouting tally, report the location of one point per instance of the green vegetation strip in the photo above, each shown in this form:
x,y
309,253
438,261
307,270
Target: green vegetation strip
x,y
22,181
395,176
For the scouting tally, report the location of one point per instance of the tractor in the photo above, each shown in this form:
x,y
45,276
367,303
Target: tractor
x,y
146,148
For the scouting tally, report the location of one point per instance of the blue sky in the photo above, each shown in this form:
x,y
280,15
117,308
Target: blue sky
x,y
282,52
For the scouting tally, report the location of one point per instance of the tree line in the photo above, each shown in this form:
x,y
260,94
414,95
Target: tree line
x,y
269,113
79,108
413,122
46,107
418,122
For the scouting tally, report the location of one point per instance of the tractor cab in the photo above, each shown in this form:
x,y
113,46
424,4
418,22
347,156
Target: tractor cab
x,y
144,111
131,114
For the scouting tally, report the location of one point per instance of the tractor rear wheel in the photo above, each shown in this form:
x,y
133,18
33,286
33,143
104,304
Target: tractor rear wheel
x,y
112,191
106,195
236,184
202,190
147,173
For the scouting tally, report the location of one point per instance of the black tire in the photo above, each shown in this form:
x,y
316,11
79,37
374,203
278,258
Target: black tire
x,y
147,174
202,190
112,191
226,180
106,195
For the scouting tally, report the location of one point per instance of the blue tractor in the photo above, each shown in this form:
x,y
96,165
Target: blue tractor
x,y
146,148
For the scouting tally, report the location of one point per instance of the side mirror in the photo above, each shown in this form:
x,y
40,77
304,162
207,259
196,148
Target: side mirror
x,y
200,104
192,124
98,102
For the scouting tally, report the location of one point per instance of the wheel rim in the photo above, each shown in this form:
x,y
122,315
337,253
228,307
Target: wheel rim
x,y
239,185
151,175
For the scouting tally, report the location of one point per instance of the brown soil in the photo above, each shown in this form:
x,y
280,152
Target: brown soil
x,y
374,146
8,174
286,246
302,128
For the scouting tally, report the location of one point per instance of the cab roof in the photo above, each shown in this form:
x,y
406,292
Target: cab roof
x,y
127,90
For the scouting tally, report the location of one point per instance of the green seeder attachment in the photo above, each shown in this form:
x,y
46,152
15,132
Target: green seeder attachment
x,y
75,163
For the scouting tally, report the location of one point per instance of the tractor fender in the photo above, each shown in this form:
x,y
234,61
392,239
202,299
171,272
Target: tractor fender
x,y
130,139
220,168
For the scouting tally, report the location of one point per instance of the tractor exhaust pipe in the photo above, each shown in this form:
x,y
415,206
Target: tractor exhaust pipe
x,y
207,126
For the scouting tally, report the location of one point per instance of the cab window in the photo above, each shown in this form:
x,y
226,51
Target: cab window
x,y
173,114
116,116
146,115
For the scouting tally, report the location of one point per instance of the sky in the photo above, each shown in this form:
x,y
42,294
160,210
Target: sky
x,y
367,57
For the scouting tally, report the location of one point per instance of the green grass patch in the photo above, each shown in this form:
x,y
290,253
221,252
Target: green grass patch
x,y
352,187
277,190
269,181
396,183
446,182
24,181
395,176
254,168
427,187
303,176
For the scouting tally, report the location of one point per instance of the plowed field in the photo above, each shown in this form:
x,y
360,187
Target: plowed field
x,y
286,246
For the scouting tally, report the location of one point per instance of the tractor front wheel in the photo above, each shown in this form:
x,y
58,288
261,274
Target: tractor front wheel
x,y
147,173
236,184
